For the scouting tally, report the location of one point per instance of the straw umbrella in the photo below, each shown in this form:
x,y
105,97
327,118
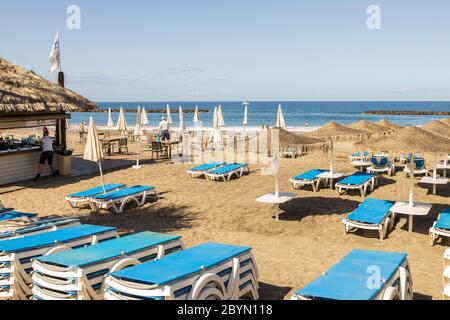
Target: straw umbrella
x,y
181,115
138,134
280,119
110,120
144,117
122,123
196,115
169,116
93,150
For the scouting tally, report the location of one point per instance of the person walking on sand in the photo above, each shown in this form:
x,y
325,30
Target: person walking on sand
x,y
163,129
46,155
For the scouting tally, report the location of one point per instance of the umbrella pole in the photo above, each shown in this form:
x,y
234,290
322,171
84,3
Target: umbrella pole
x,y
138,147
101,175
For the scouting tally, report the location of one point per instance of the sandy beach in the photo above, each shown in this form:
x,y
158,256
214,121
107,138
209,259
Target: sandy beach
x,y
308,239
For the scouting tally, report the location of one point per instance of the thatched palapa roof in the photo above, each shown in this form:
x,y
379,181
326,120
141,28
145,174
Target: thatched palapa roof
x,y
22,91
388,124
333,129
437,127
368,127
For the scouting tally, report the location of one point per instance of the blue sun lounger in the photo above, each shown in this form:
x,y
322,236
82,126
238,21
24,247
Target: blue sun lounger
x,y
227,171
381,164
117,200
419,166
210,270
360,181
363,275
7,216
79,274
201,170
76,199
372,214
310,177
16,255
441,228
358,156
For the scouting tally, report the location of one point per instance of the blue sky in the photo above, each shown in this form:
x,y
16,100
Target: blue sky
x,y
196,50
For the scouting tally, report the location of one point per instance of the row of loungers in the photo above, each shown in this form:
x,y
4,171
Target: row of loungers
x,y
357,181
375,214
217,171
116,197
88,262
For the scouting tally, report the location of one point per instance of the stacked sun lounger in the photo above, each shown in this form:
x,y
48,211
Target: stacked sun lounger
x,y
363,275
200,171
308,178
208,271
447,274
359,181
441,228
16,254
81,198
79,274
372,214
10,220
381,164
117,200
227,171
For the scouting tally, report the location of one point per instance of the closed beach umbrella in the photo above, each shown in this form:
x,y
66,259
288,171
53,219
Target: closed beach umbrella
x,y
280,119
122,123
110,120
196,115
215,137
220,120
169,116
144,117
181,114
93,150
67,124
245,123
138,134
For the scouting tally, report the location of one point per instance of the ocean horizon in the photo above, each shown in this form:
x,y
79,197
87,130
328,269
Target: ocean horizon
x,y
299,115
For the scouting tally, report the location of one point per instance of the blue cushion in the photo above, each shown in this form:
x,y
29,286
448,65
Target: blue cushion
x,y
309,175
123,193
381,162
181,264
208,166
108,250
16,215
49,238
227,168
444,220
347,280
357,179
372,211
358,154
96,191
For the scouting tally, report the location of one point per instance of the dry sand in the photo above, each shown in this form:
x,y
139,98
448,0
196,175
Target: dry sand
x,y
290,253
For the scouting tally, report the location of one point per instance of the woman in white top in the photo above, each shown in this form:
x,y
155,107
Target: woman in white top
x,y
46,155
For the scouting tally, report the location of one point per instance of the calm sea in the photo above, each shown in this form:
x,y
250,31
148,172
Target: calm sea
x,y
297,114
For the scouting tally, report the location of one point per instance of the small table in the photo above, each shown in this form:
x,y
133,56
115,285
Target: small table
x,y
444,167
272,198
329,177
418,209
362,164
434,182
169,145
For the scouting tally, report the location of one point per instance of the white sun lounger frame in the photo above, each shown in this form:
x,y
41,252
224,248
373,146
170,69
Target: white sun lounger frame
x,y
19,280
118,204
76,202
297,184
383,228
435,233
198,174
390,290
361,187
226,177
47,286
205,284
424,171
72,222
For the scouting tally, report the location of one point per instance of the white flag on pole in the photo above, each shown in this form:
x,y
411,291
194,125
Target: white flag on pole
x,y
55,58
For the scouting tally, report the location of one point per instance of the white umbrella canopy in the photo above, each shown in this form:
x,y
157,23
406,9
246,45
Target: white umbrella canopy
x,y
220,120
169,116
196,115
122,123
93,150
138,133
245,123
144,117
110,120
280,119
181,115
67,124
215,133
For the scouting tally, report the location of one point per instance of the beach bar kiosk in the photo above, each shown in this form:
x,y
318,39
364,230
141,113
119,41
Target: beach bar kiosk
x,y
28,103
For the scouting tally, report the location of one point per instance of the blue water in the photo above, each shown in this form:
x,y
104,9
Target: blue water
x,y
296,113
